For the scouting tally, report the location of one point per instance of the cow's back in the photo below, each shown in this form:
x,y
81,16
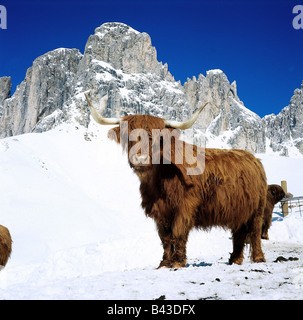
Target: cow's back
x,y
233,187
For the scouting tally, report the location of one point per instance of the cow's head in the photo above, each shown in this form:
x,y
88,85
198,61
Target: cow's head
x,y
276,192
148,140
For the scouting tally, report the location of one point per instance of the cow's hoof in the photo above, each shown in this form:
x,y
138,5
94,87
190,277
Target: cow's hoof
x,y
164,264
259,259
238,260
160,267
171,264
177,265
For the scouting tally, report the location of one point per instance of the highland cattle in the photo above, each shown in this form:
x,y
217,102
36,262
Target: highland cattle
x,y
184,186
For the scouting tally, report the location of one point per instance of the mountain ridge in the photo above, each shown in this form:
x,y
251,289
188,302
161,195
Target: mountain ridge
x,y
121,62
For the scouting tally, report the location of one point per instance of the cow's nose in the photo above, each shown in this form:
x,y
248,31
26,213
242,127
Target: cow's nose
x,y
140,159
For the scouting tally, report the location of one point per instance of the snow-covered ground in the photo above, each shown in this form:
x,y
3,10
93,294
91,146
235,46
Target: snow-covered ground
x,y
72,206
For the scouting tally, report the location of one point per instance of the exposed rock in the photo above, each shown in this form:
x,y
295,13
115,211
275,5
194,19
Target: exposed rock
x,y
125,49
225,122
5,90
285,131
46,87
121,62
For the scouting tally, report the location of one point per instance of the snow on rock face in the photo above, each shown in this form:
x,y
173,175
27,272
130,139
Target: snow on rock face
x,y
121,62
47,86
225,122
285,131
124,48
114,27
214,71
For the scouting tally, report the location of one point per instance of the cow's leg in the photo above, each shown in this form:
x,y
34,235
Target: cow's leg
x,y
266,223
239,237
168,246
255,236
179,255
265,232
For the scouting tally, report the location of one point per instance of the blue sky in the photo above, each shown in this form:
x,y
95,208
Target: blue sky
x,y
252,41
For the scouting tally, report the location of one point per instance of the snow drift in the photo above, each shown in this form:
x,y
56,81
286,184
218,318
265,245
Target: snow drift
x,y
72,206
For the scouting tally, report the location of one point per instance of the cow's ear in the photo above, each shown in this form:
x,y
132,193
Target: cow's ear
x,y
120,135
114,134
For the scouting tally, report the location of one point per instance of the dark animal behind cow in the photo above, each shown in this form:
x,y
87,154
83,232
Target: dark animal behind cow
x,y
230,193
275,193
5,245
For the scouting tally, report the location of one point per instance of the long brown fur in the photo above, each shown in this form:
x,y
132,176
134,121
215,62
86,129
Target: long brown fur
x,y
230,193
5,245
275,193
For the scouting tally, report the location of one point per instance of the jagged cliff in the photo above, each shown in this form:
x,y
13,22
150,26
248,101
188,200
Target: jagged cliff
x,y
48,84
122,62
284,132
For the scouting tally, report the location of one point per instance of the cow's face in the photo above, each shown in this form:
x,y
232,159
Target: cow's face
x,y
143,138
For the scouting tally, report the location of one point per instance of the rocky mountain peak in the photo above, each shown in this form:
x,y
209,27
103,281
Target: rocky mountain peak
x,y
115,28
121,62
284,131
124,49
47,86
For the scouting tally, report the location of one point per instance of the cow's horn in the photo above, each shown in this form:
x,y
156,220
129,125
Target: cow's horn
x,y
96,116
186,124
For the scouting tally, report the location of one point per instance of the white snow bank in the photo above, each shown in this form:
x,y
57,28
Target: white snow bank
x,y
280,168
73,209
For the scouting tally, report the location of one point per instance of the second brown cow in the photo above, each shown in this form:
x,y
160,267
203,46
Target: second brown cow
x,y
275,193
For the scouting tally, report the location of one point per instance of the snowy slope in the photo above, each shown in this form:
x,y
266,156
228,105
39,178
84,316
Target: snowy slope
x,y
72,206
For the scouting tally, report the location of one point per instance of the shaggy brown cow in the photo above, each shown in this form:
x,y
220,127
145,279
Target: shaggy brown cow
x,y
5,245
230,192
275,193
